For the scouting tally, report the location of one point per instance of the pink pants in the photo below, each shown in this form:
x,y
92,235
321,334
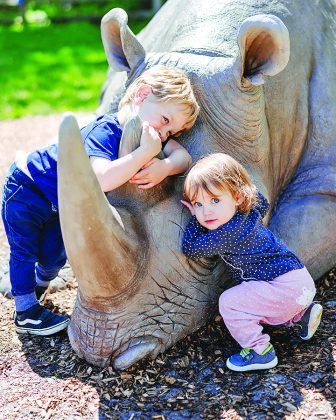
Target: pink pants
x,y
283,300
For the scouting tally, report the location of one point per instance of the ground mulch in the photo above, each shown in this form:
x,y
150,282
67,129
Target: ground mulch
x,y
42,378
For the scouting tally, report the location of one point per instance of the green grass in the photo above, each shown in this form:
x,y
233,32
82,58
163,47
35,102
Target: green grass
x,y
47,69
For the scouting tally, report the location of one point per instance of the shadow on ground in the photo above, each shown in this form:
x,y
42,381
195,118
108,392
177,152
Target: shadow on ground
x,y
191,380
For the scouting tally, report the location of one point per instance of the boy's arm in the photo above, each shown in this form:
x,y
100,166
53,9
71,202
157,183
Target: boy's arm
x,y
177,160
112,174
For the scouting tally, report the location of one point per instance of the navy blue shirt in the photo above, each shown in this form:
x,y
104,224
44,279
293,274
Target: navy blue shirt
x,y
101,138
250,250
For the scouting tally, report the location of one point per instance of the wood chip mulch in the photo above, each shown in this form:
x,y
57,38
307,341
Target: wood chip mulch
x,y
42,378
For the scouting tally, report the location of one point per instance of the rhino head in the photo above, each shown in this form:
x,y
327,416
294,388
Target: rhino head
x,y
138,294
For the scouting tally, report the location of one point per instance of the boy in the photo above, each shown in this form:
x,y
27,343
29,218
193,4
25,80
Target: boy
x,y
164,101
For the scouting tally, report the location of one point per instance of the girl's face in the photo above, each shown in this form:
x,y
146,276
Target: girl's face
x,y
216,209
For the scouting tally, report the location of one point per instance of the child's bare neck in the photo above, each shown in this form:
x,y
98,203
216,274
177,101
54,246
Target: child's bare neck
x,y
124,113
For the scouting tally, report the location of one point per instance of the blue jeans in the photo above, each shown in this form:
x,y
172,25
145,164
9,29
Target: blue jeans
x,y
34,234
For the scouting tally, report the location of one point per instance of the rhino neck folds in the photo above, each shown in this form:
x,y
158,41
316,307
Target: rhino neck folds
x,y
235,121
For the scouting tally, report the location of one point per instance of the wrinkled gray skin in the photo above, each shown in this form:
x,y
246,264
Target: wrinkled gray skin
x,y
138,294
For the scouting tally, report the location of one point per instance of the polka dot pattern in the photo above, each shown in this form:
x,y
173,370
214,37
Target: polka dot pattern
x,y
251,251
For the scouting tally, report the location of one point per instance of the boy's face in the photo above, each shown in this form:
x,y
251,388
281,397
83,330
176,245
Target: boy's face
x,y
213,211
166,117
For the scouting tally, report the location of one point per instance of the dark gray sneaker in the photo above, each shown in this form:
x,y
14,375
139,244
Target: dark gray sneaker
x,y
39,320
310,321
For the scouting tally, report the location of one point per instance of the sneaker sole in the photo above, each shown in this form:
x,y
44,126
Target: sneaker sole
x,y
43,331
314,321
256,366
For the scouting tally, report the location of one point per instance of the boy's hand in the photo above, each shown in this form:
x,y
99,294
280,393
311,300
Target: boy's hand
x,y
189,206
151,174
150,139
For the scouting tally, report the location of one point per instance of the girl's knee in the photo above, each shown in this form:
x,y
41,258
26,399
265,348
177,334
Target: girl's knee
x,y
223,298
225,302
308,290
306,296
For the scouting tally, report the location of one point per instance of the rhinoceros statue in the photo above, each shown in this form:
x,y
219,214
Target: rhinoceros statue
x,y
264,76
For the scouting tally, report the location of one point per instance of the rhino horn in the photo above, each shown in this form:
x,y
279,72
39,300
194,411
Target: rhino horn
x,y
264,48
95,239
123,51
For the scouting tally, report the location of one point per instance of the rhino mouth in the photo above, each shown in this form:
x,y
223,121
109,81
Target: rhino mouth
x,y
135,351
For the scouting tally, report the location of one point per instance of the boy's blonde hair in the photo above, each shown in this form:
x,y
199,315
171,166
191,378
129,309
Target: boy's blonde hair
x,y
221,172
167,84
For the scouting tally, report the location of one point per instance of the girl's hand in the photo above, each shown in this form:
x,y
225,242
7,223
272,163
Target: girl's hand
x,y
189,206
151,174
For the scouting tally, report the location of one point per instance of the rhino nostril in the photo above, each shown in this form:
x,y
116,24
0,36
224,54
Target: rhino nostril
x,y
135,353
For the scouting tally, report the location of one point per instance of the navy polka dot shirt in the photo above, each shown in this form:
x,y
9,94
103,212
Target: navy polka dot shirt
x,y
250,250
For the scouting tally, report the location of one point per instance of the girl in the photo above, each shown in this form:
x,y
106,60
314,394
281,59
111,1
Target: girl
x,y
273,286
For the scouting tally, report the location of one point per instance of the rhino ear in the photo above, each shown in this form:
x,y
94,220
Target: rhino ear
x,y
264,48
122,49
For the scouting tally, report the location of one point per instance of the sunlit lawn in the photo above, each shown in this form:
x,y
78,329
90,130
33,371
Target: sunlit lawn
x,y
50,69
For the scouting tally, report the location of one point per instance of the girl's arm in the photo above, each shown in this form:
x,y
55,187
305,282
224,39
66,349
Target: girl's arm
x,y
262,205
199,242
177,160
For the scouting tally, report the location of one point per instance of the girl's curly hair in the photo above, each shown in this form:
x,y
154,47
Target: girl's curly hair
x,y
221,172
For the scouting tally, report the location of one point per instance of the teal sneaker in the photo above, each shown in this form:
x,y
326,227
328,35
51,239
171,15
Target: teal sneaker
x,y
310,321
248,359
